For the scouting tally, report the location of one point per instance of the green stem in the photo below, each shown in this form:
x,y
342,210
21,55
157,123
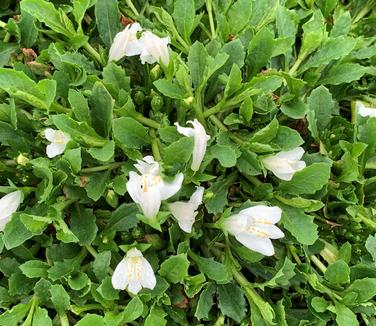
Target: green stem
x,y
132,7
91,250
91,306
209,9
222,127
110,166
155,146
297,64
256,182
293,251
93,53
2,24
29,318
318,263
63,319
9,162
220,321
6,37
59,108
367,221
198,108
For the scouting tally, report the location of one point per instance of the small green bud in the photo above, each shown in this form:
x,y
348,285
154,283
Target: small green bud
x,y
157,103
139,97
22,160
112,198
156,72
137,233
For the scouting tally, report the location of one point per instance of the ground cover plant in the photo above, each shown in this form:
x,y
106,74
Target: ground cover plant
x,y
187,162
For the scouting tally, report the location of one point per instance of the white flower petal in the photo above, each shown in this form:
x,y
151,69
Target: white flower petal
x,y
273,231
270,213
150,202
262,245
200,142
134,286
148,279
154,48
148,166
49,133
167,190
119,278
293,155
54,149
236,224
196,198
134,186
185,214
186,131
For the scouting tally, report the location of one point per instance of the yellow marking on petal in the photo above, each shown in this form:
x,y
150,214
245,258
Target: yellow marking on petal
x,y
148,181
262,221
257,231
59,138
134,268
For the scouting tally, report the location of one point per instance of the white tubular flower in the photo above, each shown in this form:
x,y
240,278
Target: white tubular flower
x,y
254,227
8,205
134,273
125,43
365,111
148,189
285,164
58,141
185,212
154,48
200,140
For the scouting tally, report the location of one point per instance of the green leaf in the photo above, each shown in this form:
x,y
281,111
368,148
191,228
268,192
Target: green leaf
x,y
331,51
156,317
338,272
41,317
46,13
343,73
15,233
239,15
197,61
295,109
80,131
345,317
299,224
97,185
6,49
212,269
307,181
29,32
83,225
313,34
101,265
101,104
133,310
184,17
130,133
360,291
34,268
79,106
225,154
234,82
327,6
371,246
287,138
15,315
115,79
59,298
170,89
367,132
103,154
79,9
205,302
179,151
73,156
175,268
260,50
91,320
321,106
231,301
106,290
266,134
107,18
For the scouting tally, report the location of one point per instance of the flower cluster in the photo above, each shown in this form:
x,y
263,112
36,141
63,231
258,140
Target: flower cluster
x,y
149,46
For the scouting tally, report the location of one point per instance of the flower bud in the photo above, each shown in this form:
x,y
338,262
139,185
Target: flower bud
x,y
157,103
22,160
112,198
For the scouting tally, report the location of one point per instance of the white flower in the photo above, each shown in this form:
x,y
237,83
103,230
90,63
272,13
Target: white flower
x,y
148,189
8,205
200,140
154,48
58,141
365,111
285,164
254,227
185,212
125,43
134,273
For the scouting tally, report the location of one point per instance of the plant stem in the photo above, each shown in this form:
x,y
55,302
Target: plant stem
x,y
2,24
222,127
91,250
147,122
297,63
132,7
197,105
209,8
63,319
6,37
110,166
93,53
91,306
155,146
30,315
292,250
59,108
252,179
318,263
367,221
